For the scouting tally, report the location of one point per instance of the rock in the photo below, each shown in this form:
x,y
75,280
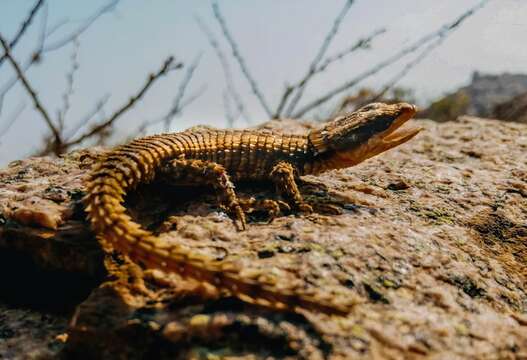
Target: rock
x,y
430,240
512,110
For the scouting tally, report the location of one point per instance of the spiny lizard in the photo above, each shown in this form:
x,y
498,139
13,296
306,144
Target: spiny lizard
x,y
217,156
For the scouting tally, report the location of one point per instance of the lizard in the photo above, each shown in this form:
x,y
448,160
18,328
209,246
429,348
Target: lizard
x,y
218,158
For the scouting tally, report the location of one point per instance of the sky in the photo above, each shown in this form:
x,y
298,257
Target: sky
x,y
278,40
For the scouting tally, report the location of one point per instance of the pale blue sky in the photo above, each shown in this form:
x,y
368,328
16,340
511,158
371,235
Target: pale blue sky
x,y
277,38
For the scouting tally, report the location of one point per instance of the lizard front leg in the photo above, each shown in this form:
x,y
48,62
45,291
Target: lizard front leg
x,y
283,176
210,173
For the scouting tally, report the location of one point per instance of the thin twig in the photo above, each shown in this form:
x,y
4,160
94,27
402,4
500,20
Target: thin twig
x,y
33,58
109,7
227,109
57,26
362,43
239,58
70,77
33,95
5,89
283,100
103,126
394,58
190,99
318,57
37,54
231,88
40,49
13,118
175,109
87,118
23,27
407,68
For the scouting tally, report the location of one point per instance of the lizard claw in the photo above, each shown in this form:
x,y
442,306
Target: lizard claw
x,y
305,208
283,206
239,216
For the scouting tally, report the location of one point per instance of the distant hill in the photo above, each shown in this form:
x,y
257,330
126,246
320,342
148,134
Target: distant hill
x,y
513,110
490,96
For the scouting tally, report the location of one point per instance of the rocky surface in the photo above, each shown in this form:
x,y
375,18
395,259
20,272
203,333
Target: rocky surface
x,y
430,239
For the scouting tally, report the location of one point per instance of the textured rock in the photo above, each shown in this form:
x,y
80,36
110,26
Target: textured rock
x,y
430,239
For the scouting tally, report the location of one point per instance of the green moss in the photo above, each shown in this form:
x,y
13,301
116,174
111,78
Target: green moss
x,y
437,216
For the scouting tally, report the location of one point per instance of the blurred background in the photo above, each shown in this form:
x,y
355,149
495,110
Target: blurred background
x,y
101,72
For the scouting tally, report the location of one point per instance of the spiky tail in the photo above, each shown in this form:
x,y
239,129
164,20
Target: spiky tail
x,y
129,165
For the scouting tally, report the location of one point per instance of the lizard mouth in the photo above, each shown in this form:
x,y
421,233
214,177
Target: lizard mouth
x,y
398,134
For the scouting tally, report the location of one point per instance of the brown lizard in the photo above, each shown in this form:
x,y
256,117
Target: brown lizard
x,y
216,157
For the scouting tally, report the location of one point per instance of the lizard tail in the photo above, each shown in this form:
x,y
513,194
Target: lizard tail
x,y
129,165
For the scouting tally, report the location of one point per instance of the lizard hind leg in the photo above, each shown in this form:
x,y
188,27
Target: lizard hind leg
x,y
191,171
283,176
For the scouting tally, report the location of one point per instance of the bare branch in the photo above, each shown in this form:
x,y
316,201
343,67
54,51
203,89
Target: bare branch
x,y
23,27
318,57
231,88
229,115
103,126
13,118
174,110
5,89
33,58
408,67
86,118
283,100
70,77
57,26
33,95
394,58
362,43
176,104
189,100
40,49
36,57
110,6
241,62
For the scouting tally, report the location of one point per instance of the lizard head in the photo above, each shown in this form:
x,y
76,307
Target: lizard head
x,y
352,138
